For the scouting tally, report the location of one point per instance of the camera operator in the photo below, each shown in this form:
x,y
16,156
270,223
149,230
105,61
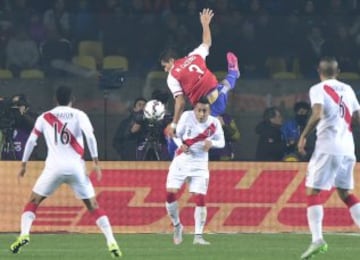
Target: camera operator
x,y
154,145
15,125
130,132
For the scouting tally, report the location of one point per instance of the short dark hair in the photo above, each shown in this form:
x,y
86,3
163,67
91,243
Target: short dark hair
x,y
203,100
63,95
139,99
168,54
270,113
301,105
330,67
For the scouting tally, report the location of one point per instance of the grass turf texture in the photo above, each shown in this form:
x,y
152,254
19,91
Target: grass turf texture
x,y
159,246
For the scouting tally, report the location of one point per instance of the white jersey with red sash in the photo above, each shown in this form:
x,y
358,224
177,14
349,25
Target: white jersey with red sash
x,y
63,129
334,133
193,134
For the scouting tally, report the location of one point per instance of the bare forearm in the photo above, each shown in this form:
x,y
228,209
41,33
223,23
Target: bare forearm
x,y
206,37
310,126
178,109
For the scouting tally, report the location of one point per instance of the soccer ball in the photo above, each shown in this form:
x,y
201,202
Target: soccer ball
x,y
154,110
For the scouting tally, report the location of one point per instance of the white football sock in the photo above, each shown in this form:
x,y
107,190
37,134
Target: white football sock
x,y
200,214
315,215
27,219
104,224
173,212
355,213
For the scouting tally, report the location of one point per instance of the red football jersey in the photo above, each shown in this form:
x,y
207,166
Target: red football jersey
x,y
195,78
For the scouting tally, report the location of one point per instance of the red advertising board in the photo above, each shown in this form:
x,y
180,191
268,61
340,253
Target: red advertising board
x,y
243,197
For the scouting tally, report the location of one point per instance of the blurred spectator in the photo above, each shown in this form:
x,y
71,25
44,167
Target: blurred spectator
x,y
342,47
129,132
21,52
232,134
5,32
56,54
292,129
252,58
254,7
16,127
309,16
157,6
36,28
84,24
270,146
57,18
336,8
314,47
20,13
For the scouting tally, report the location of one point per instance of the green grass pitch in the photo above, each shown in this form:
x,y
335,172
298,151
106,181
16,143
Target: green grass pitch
x,y
160,247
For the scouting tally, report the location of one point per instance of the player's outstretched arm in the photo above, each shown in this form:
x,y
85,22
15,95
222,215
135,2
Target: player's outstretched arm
x,y
178,109
206,16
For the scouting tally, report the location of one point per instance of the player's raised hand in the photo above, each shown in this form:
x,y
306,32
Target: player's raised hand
x,y
206,15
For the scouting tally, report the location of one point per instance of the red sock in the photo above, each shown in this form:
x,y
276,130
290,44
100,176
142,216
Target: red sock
x,y
170,197
30,207
200,200
98,213
313,200
351,200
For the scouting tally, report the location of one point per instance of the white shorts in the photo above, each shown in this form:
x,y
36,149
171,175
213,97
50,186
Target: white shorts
x,y
326,171
51,178
197,183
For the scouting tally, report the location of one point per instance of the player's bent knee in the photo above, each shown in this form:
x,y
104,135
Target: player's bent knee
x,y
36,198
91,204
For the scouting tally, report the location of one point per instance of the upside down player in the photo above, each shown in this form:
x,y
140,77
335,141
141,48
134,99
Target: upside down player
x,y
334,109
197,131
63,129
190,77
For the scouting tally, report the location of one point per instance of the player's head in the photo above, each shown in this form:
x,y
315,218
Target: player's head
x,y
167,59
302,110
63,96
273,116
328,68
202,109
139,104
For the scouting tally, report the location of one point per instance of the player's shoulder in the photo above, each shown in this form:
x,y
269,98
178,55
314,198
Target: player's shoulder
x,y
202,49
317,86
187,114
214,119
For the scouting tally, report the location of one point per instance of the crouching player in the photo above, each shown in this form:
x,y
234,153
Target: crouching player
x,y
197,132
